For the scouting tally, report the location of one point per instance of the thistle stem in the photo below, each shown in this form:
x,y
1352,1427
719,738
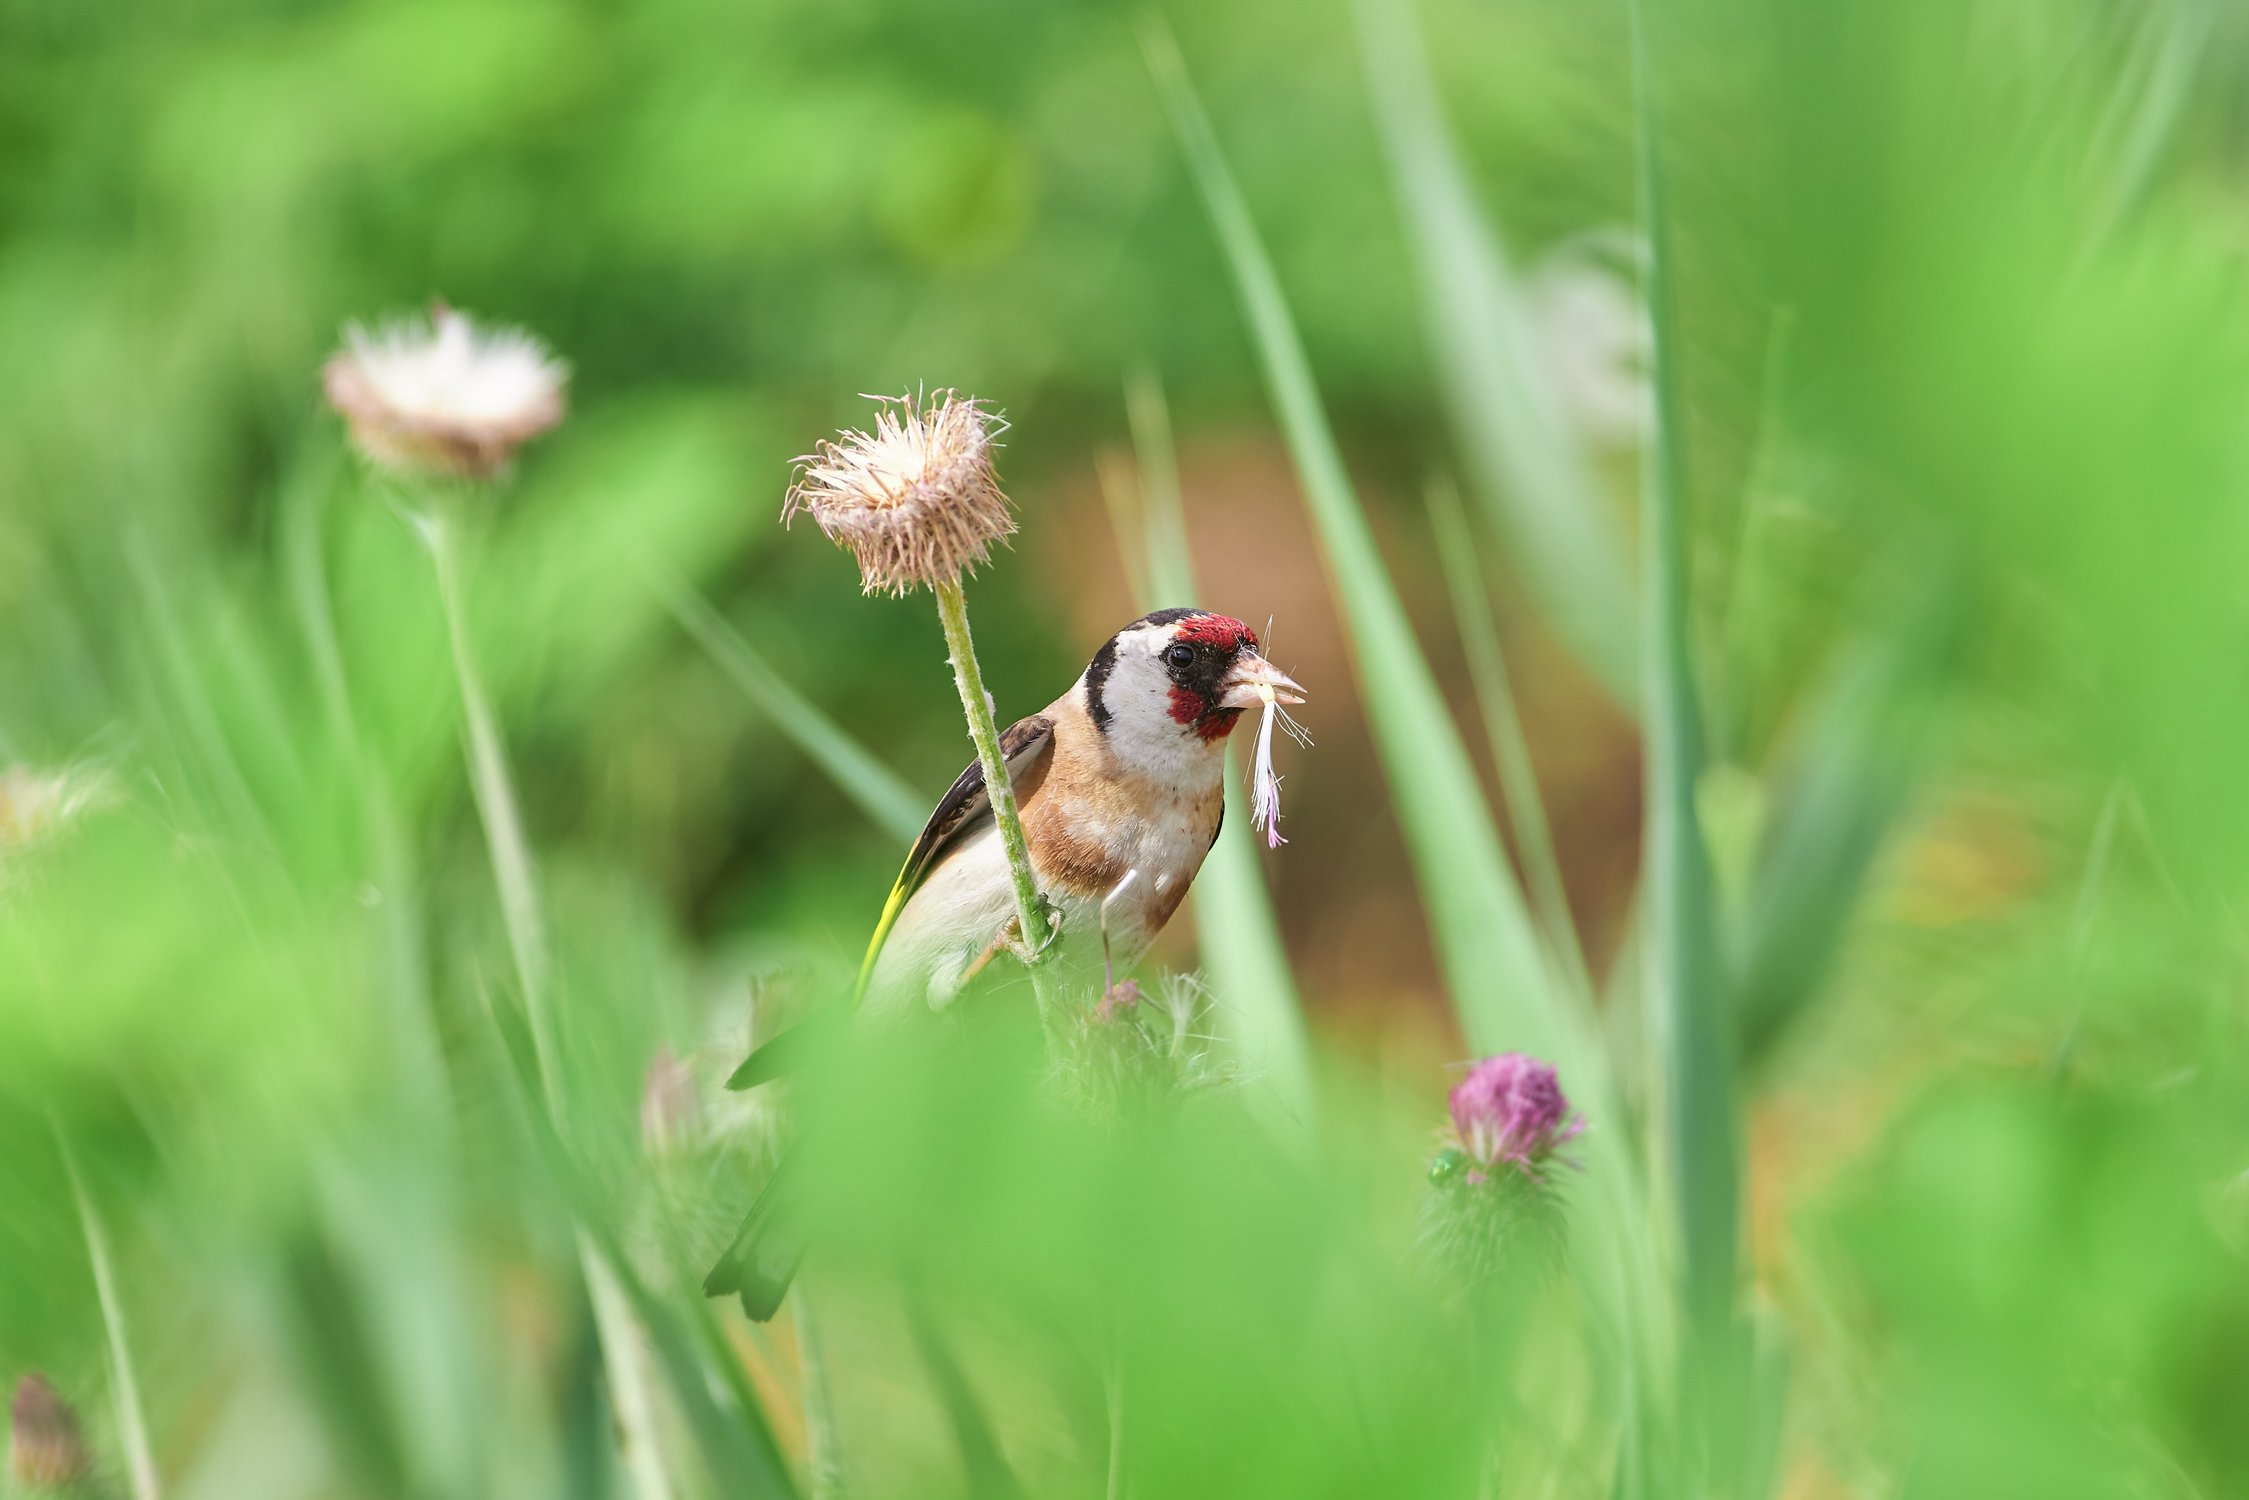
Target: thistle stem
x,y
952,611
497,809
632,1389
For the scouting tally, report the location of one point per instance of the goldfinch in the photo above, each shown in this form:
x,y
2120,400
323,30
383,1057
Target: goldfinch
x,y
1121,787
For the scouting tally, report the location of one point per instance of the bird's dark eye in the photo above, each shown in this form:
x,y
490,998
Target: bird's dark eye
x,y
1180,656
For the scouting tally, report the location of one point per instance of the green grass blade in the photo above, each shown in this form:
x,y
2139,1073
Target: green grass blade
x,y
706,1379
1503,725
888,801
1490,952
1237,933
1502,986
303,509
1170,556
1526,467
1866,741
1684,970
132,1425
981,1456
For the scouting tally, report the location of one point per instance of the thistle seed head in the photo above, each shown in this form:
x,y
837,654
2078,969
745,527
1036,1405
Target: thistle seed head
x,y
916,502
444,398
46,1448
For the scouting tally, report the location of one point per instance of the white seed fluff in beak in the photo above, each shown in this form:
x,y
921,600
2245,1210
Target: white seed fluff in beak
x,y
1264,782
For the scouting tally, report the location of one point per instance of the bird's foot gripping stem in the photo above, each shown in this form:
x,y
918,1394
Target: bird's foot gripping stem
x,y
1010,940
1011,936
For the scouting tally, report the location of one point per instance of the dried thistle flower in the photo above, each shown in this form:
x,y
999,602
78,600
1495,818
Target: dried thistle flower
x,y
445,398
46,1448
1133,1051
916,502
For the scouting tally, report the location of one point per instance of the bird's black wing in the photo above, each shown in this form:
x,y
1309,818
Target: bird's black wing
x,y
966,808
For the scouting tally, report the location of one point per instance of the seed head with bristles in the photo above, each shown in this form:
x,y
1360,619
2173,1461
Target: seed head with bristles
x,y
916,502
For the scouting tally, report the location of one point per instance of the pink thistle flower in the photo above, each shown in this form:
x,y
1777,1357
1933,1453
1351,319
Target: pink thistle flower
x,y
1510,1110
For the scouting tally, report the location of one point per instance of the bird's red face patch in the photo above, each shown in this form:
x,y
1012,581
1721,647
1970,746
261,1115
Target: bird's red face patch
x,y
1190,707
1223,631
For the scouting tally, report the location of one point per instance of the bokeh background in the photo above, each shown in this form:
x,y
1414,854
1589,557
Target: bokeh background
x,y
1954,367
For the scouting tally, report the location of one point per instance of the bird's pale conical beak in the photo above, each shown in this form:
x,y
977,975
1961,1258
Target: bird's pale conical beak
x,y
1253,673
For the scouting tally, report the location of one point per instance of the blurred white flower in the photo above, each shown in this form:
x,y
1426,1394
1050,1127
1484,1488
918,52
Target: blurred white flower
x,y
444,397
1594,340
35,804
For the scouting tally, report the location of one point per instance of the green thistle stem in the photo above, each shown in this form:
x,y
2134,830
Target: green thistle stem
x,y
952,611
632,1385
496,808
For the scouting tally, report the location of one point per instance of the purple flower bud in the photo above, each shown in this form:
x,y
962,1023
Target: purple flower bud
x,y
1511,1109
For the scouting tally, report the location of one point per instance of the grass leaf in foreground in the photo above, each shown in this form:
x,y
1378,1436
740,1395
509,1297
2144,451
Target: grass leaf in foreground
x,y
1867,739
1501,984
1238,936
1527,469
1685,976
1490,952
887,801
1503,725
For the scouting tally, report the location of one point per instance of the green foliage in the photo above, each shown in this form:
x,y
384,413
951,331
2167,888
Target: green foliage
x,y
1915,1152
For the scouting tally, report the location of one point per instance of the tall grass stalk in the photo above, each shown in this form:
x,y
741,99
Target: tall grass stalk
x,y
1238,935
1501,981
823,1450
1527,469
412,1022
132,1425
1685,976
889,803
981,1456
1867,735
1492,958
1503,726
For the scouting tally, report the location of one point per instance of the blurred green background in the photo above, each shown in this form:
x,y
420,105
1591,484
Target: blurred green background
x,y
1942,919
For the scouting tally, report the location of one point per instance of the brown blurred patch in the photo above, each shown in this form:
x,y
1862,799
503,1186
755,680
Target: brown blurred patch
x,y
1977,856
